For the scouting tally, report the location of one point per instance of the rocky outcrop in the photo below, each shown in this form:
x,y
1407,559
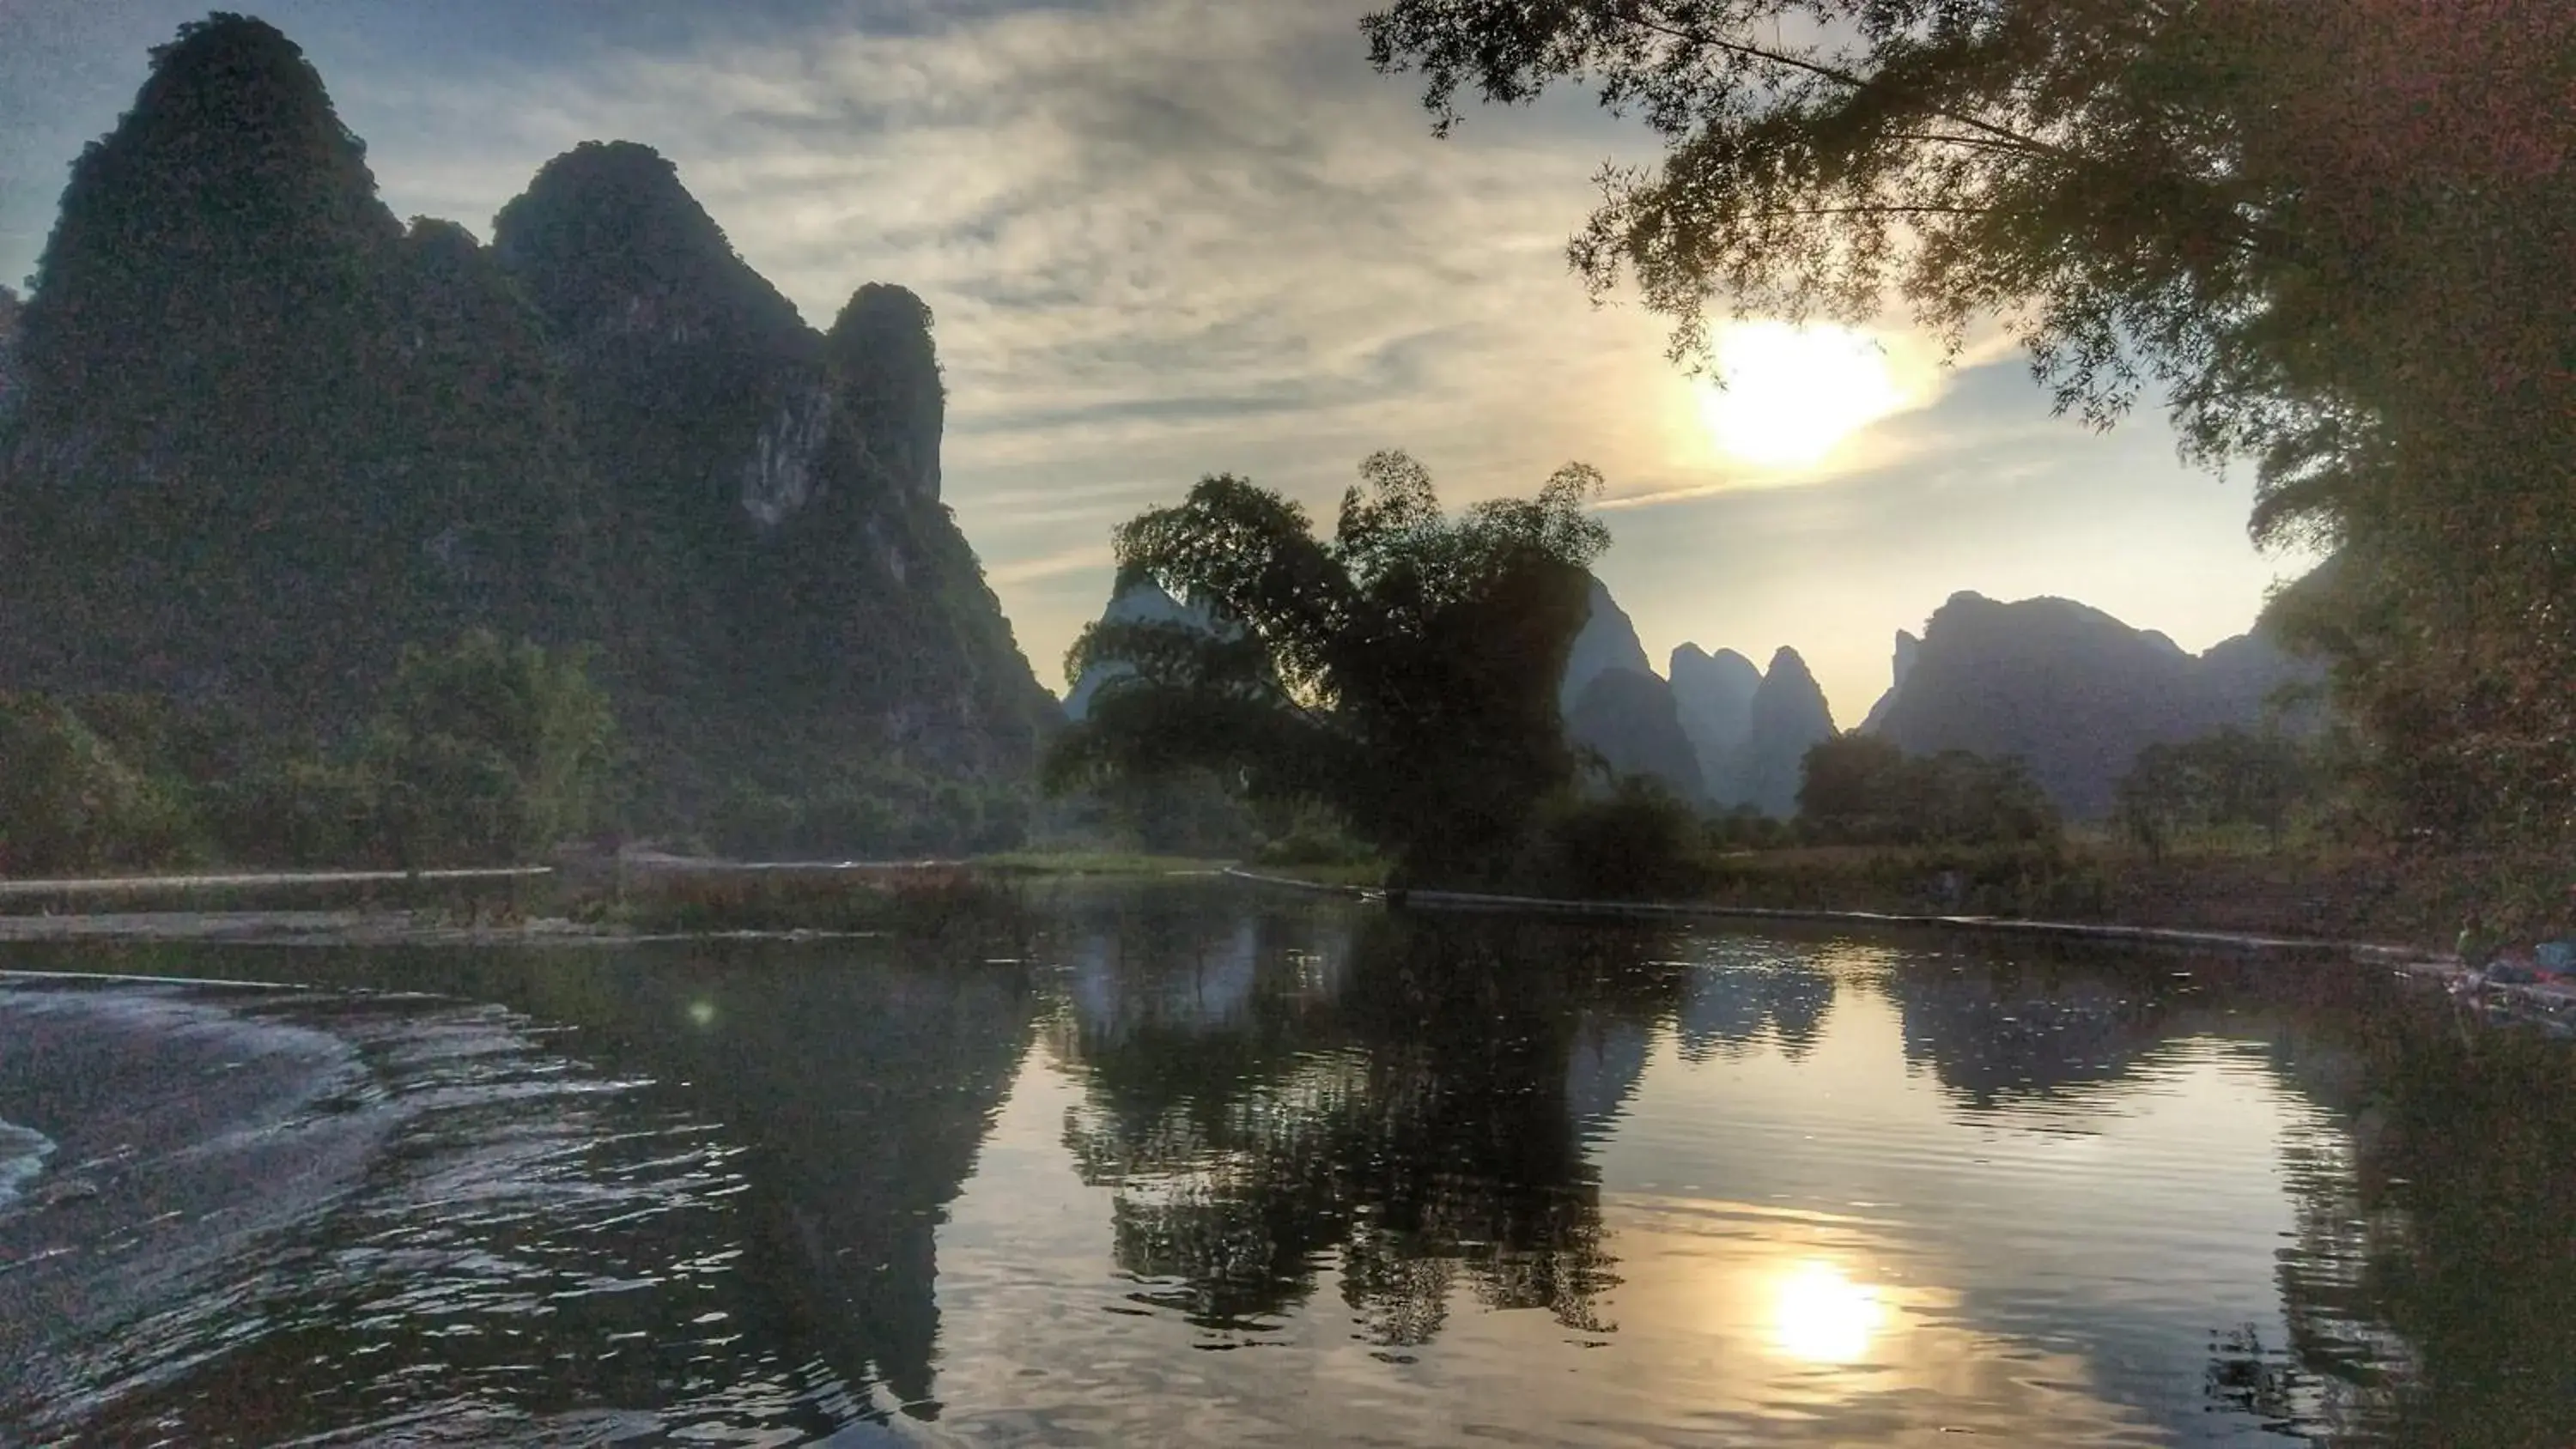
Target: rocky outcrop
x,y
1713,694
1908,649
1789,717
2072,691
1628,717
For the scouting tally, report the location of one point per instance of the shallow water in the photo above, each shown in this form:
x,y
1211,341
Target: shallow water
x,y
1193,1165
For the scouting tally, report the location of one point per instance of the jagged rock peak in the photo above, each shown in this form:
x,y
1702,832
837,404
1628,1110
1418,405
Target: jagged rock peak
x,y
1908,650
1789,716
887,370
610,242
1608,640
228,206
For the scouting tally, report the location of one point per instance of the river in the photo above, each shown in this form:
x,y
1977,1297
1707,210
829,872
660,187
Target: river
x,y
1196,1164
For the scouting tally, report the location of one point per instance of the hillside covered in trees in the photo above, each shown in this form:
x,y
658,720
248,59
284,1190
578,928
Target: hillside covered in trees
x,y
257,436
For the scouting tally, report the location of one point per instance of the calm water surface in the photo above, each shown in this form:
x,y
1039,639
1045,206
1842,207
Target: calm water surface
x,y
1190,1165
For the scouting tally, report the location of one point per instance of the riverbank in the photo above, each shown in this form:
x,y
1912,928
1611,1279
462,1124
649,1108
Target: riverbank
x,y
2547,1005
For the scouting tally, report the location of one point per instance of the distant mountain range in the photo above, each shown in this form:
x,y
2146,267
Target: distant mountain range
x,y
2072,691
1718,732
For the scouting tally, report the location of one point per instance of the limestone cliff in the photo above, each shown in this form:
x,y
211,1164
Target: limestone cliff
x,y
256,435
1713,694
1789,717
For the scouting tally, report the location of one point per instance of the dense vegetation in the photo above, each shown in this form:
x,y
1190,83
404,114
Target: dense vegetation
x,y
479,754
258,438
2334,233
1863,790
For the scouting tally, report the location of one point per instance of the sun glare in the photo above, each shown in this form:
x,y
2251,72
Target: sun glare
x,y
1793,393
1822,1316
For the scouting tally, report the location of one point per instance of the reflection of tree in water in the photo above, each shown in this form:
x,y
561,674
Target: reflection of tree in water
x,y
1747,990
2428,1279
1423,1123
2431,1293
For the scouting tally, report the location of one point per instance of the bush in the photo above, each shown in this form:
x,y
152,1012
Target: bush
x,y
1858,789
70,802
1638,842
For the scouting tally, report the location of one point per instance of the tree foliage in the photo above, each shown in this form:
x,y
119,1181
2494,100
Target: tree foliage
x,y
2230,777
1861,789
69,801
2333,233
1402,671
488,753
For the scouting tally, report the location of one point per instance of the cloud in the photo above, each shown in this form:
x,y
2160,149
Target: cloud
x,y
1084,559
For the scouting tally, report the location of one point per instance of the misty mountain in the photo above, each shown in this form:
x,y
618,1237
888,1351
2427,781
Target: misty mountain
x,y
1608,640
1629,717
1615,703
1714,696
265,435
1789,717
2071,690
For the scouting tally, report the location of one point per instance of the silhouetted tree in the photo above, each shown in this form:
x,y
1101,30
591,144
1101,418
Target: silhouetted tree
x,y
1403,671
1862,789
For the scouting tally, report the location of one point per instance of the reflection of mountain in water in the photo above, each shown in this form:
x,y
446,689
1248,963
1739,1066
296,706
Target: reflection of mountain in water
x,y
1993,1032
1744,991
864,1089
1410,1104
353,1218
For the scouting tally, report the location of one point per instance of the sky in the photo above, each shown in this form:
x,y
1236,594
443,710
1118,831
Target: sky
x,y
1167,238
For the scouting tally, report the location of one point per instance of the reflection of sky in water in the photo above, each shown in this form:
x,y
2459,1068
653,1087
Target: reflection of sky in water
x,y
1815,1238
1210,985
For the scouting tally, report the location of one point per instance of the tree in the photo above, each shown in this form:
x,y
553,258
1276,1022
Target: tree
x,y
70,802
1402,672
1852,787
487,752
2333,232
1862,789
2227,777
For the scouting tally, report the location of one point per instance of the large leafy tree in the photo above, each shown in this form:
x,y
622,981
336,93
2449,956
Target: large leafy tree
x,y
2333,234
1403,671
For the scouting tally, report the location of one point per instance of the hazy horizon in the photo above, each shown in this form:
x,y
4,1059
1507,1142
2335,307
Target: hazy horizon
x,y
1166,239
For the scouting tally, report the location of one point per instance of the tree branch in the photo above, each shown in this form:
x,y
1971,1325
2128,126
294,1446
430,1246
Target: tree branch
x,y
1629,13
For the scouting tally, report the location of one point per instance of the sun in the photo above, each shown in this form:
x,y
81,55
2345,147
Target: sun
x,y
1820,1315
1793,393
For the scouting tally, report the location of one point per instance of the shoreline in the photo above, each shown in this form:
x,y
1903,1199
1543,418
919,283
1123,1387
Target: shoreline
x,y
2550,1006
